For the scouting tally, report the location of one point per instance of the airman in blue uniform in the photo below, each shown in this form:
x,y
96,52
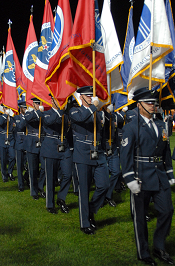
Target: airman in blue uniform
x,y
112,151
7,144
147,169
90,162
57,155
32,145
20,134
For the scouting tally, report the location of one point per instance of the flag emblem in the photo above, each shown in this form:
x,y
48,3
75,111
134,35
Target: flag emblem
x,y
30,61
45,46
58,31
131,48
9,71
144,37
99,45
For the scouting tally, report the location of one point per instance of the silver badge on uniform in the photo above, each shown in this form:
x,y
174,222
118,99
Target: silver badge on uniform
x,y
124,142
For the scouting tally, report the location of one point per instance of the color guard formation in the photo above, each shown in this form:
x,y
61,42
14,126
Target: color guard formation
x,y
58,144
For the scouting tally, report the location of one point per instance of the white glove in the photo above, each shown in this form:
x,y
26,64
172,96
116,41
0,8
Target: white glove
x,y
41,108
172,181
93,99
125,108
7,111
134,186
110,108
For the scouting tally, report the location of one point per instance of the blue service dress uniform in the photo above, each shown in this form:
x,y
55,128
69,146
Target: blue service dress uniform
x,y
20,134
7,152
52,122
113,159
31,121
155,170
82,121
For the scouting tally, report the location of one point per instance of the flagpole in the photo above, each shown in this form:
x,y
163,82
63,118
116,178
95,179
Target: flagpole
x,y
38,144
160,94
31,10
55,12
94,154
94,94
7,141
150,70
151,49
110,120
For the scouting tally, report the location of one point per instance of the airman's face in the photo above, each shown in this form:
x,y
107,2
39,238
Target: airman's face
x,y
86,100
147,109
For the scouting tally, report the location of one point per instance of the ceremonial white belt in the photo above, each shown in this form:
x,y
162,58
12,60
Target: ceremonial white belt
x,y
154,159
53,136
21,133
5,132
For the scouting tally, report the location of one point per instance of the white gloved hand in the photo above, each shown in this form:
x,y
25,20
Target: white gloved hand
x,y
172,181
7,111
110,108
125,108
41,108
134,186
93,99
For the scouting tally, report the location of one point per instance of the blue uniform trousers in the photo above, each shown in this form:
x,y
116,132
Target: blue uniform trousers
x,y
163,205
36,179
74,179
113,162
51,169
20,155
85,173
7,157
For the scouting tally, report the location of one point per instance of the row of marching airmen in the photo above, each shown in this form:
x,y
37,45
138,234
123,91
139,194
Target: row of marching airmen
x,y
65,144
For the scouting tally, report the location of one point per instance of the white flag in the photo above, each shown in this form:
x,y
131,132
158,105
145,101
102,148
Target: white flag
x,y
113,53
153,31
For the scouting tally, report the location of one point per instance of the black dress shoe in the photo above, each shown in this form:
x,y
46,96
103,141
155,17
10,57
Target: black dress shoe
x,y
11,177
43,194
111,202
52,210
63,206
5,180
163,255
20,190
36,197
88,231
76,193
149,261
92,221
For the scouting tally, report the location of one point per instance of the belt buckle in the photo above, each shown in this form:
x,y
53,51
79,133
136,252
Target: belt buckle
x,y
156,159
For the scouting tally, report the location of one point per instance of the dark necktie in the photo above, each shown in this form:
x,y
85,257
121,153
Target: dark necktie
x,y
151,128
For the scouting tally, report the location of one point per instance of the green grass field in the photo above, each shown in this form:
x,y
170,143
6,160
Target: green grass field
x,y
29,235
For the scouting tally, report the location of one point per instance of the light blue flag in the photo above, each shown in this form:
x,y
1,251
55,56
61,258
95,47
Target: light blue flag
x,y
170,58
128,49
117,98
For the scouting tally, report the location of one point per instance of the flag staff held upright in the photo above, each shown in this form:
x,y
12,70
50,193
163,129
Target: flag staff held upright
x,y
151,50
7,141
132,2
94,154
31,9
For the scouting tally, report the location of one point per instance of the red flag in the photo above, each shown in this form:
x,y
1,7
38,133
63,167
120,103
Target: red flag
x,y
29,60
59,59
39,88
83,36
12,75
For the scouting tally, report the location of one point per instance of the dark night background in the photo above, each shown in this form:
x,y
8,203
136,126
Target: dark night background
x,y
18,12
